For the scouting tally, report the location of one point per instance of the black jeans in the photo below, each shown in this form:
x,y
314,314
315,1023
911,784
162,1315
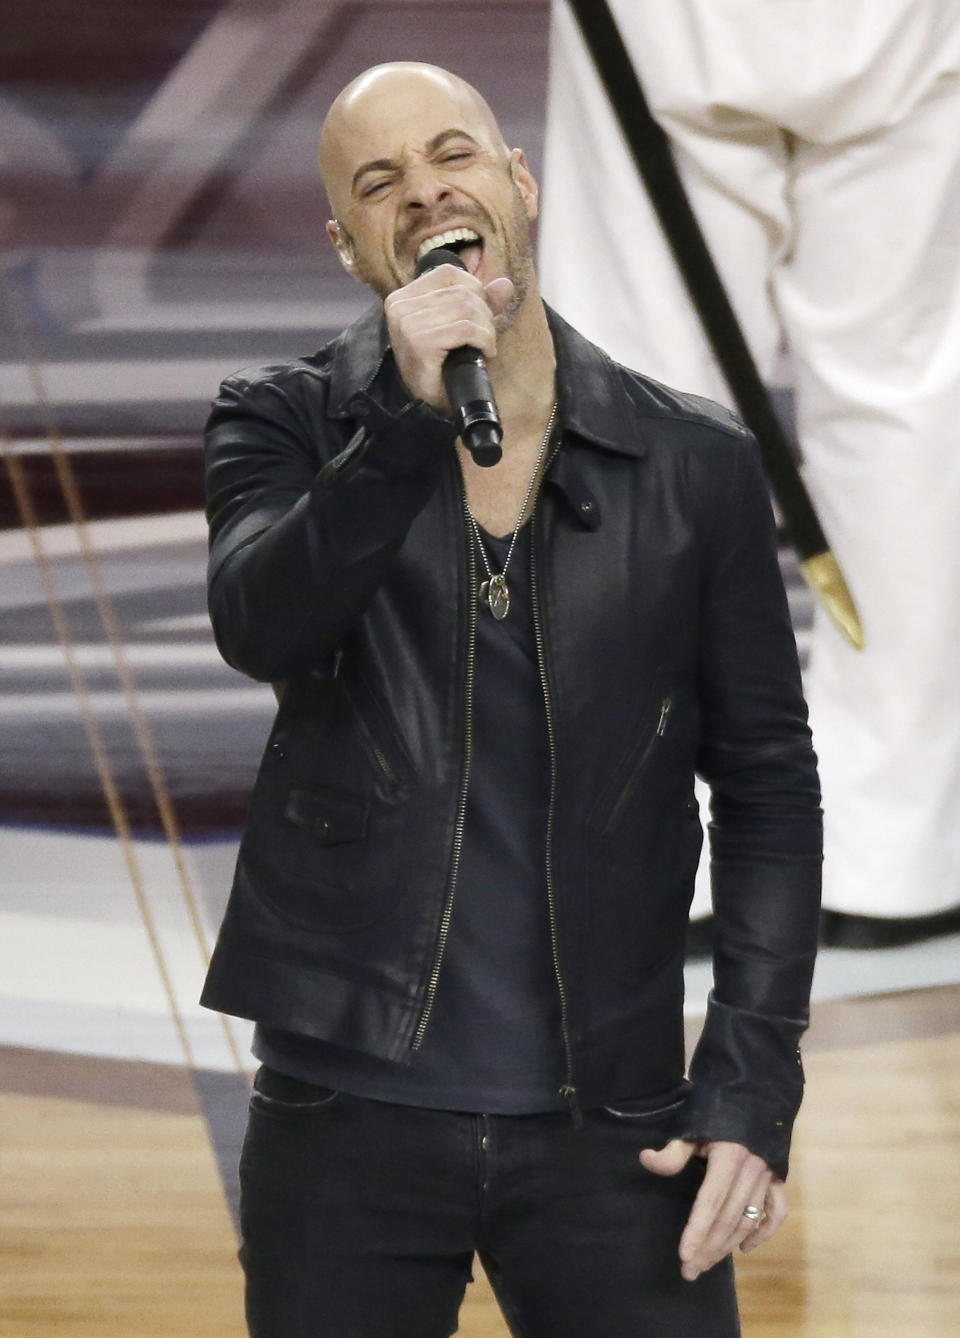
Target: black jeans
x,y
360,1220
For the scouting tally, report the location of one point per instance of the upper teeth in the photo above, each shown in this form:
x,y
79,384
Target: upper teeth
x,y
447,239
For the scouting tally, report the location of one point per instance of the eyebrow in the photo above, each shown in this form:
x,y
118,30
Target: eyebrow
x,y
390,164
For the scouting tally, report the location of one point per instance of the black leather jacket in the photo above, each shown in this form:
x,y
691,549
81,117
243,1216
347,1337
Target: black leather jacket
x,y
341,566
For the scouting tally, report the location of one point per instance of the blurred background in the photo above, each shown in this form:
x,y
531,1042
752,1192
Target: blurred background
x,y
161,225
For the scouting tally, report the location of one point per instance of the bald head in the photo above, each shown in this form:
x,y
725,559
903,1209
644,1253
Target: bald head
x,y
390,97
410,152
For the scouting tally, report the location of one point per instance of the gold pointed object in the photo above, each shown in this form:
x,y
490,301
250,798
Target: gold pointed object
x,y
823,575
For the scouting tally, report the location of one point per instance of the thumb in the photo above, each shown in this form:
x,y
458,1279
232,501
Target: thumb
x,y
669,1160
498,293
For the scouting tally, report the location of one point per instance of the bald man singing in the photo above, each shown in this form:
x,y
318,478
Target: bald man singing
x,y
460,901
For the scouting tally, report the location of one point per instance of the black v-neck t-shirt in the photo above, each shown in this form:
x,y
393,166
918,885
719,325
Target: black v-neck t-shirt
x,y
493,1043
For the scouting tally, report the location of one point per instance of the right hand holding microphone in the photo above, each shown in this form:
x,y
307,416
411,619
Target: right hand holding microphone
x,y
441,310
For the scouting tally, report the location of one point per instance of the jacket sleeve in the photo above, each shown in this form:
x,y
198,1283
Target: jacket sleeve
x,y
303,527
765,831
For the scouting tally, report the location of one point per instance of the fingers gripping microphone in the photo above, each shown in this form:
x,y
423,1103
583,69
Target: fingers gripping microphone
x,y
468,385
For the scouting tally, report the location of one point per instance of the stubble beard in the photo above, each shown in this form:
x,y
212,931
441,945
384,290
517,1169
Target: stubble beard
x,y
518,258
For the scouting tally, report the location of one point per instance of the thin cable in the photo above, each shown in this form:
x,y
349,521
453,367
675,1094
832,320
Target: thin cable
x,y
101,759
108,619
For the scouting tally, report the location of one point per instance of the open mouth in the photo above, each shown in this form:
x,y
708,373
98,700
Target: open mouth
x,y
467,244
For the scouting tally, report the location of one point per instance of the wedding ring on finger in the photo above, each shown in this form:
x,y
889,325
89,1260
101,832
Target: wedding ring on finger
x,y
753,1214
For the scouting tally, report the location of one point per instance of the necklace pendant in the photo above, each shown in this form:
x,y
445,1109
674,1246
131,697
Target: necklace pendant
x,y
497,597
494,592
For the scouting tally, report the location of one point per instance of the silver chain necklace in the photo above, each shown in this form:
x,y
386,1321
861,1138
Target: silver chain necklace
x,y
494,591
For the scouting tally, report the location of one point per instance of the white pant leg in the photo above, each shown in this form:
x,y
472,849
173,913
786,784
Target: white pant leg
x,y
871,303
604,262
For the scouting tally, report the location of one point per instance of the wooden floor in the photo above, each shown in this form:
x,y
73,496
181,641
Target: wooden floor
x,y
113,1221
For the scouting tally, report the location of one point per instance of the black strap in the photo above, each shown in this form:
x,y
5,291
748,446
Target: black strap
x,y
654,160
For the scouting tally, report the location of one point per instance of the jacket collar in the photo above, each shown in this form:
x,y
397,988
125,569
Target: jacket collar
x,y
358,353
593,400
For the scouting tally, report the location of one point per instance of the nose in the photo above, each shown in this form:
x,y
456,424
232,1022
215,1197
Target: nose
x,y
424,187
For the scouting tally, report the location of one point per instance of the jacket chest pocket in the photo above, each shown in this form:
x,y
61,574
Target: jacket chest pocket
x,y
635,779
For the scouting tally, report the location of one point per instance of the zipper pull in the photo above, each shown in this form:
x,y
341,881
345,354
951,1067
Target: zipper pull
x,y
665,708
569,1094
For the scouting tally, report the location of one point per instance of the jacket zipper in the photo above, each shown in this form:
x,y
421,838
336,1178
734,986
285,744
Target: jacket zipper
x,y
666,706
464,787
376,753
568,1090
387,770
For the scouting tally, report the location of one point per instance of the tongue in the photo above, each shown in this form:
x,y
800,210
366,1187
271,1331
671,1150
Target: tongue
x,y
471,256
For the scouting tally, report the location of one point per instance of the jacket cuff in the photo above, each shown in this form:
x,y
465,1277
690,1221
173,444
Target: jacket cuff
x,y
747,1080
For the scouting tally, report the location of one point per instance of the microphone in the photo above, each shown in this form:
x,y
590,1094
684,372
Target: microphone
x,y
467,383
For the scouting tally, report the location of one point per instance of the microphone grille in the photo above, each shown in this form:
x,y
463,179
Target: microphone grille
x,y
439,256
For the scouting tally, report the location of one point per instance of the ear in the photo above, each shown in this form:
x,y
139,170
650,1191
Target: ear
x,y
525,182
342,245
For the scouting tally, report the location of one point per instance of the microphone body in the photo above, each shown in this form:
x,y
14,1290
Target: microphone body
x,y
467,383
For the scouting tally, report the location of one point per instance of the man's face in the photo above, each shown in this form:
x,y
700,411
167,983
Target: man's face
x,y
413,160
